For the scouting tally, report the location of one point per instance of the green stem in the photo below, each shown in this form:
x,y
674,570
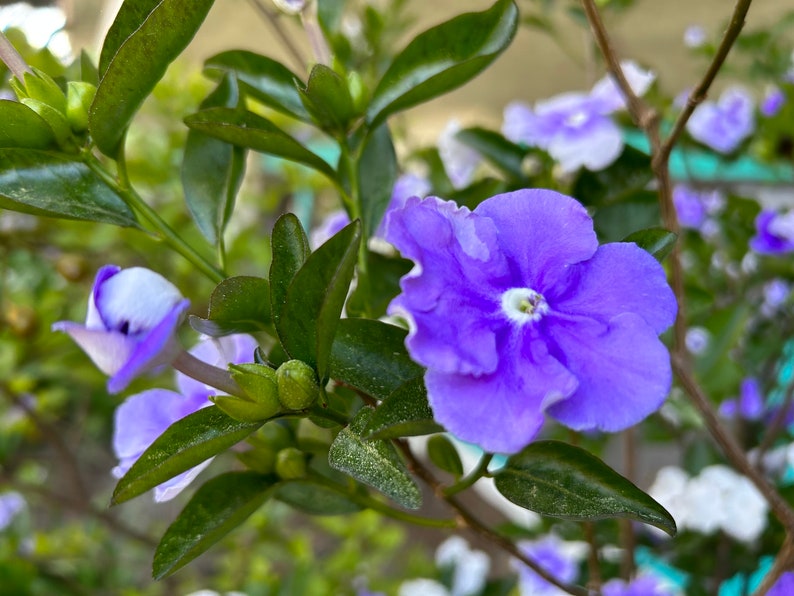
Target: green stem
x,y
128,194
478,472
375,505
329,415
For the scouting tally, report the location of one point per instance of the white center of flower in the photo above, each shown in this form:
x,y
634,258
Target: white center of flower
x,y
576,119
522,305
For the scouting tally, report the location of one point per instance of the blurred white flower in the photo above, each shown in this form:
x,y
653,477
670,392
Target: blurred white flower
x,y
697,340
470,566
460,161
694,36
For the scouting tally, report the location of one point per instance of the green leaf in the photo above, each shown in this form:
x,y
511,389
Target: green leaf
x,y
186,443
377,173
218,507
371,299
560,480
500,152
443,58
213,170
615,221
375,463
315,299
144,39
620,181
371,356
657,241
443,454
289,249
266,80
315,498
246,129
405,413
327,98
48,184
23,128
237,305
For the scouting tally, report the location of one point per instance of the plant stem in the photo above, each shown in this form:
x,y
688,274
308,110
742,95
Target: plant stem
x,y
273,20
210,375
163,230
477,473
13,60
593,566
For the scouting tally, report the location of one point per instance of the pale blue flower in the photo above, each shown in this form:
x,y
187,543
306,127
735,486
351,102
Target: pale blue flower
x,y
11,504
552,555
774,233
460,161
724,124
694,36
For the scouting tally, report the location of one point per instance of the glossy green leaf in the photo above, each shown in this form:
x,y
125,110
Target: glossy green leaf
x,y
184,444
371,356
560,480
315,498
630,173
48,184
212,170
218,507
405,413
375,463
315,299
149,36
443,58
657,241
327,98
264,79
246,129
371,298
500,152
237,305
377,173
289,249
443,454
23,128
616,221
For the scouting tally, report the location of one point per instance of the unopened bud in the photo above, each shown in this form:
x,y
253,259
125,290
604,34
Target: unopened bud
x,y
290,464
358,91
40,86
56,120
297,385
243,409
79,96
258,382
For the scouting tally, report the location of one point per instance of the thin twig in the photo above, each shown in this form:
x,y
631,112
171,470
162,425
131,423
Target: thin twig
x,y
15,63
273,20
593,566
783,562
776,426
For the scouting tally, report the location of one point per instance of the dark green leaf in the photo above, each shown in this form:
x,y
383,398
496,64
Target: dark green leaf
x,y
615,221
266,80
327,98
237,305
371,356
289,249
374,463
128,18
213,170
247,129
154,39
315,299
377,172
23,128
405,413
47,184
619,181
371,298
500,152
443,454
476,193
313,497
560,480
657,241
443,58
186,443
218,507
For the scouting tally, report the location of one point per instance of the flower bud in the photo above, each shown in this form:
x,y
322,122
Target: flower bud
x,y
258,382
297,385
358,90
79,96
260,459
290,464
40,86
55,119
244,410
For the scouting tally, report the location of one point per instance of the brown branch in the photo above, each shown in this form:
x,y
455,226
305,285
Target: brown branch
x,y
467,519
783,562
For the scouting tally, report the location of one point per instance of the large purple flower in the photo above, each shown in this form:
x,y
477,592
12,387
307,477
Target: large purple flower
x,y
130,325
145,416
517,312
724,124
774,233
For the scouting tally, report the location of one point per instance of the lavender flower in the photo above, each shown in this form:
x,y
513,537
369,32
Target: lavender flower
x,y
773,101
644,585
774,233
694,36
553,556
460,161
784,586
129,329
517,312
11,504
689,207
724,124
576,128
145,416
750,404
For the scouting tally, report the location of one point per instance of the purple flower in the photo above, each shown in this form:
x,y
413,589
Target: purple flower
x,y
784,586
724,124
11,503
551,555
130,325
330,225
774,233
517,312
645,585
145,416
460,161
576,128
694,36
750,404
689,207
772,103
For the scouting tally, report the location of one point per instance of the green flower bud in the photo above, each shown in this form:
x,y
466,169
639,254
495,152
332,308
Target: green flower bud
x,y
260,460
55,120
290,464
258,382
40,86
297,385
79,97
358,91
243,409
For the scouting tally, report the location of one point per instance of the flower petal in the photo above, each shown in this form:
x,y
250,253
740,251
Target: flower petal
x,y
93,320
220,352
109,350
623,370
594,146
542,233
503,411
620,278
